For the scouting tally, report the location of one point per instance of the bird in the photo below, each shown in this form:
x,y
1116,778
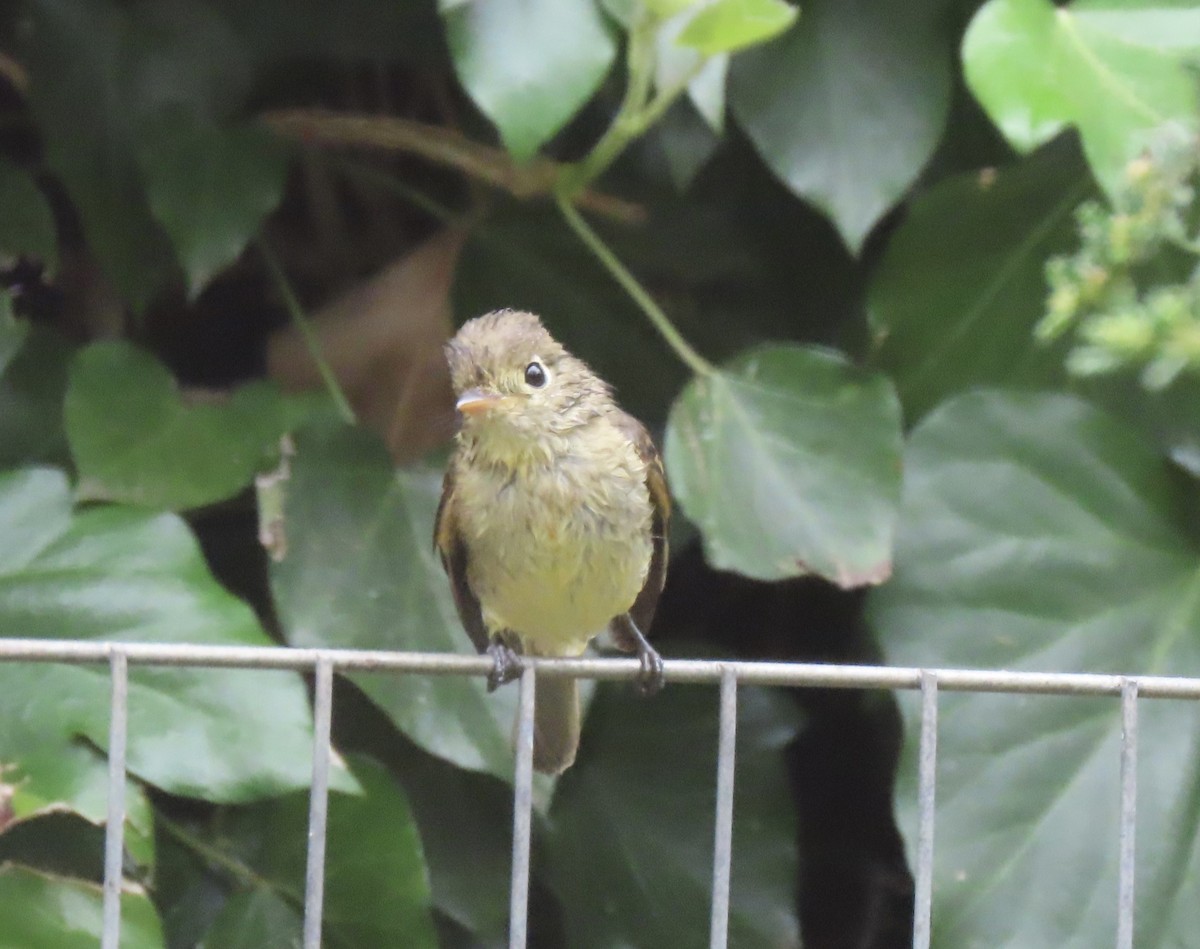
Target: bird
x,y
552,524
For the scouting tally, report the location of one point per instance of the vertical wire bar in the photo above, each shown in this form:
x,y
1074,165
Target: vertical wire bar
x,y
927,785
1127,864
318,804
518,900
723,835
114,828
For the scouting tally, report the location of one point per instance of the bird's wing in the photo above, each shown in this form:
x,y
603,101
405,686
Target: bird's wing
x,y
447,539
642,611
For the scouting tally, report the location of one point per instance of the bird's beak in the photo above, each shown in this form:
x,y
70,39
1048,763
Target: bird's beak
x,y
476,401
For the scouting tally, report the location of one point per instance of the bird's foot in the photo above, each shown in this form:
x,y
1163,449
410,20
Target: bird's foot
x,y
506,664
650,676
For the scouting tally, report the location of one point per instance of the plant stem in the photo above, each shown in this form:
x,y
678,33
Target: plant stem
x,y
306,331
697,363
628,123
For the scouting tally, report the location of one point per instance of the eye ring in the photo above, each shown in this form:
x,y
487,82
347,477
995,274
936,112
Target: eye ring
x,y
535,375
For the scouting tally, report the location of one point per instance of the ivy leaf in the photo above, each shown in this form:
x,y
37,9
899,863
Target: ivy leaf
x,y
962,283
530,65
44,912
360,572
1114,69
27,226
134,439
120,574
1039,534
846,113
788,460
630,849
210,189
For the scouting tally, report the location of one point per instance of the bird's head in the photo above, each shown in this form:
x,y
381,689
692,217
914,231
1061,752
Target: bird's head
x,y
516,386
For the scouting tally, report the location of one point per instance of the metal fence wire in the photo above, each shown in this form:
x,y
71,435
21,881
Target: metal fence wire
x,y
727,675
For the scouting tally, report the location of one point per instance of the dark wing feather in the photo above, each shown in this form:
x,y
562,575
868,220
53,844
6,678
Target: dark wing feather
x,y
642,611
449,544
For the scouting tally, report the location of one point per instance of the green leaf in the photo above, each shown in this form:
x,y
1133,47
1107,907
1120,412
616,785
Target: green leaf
x,y
26,226
956,296
31,398
360,572
1040,534
210,189
115,573
134,439
376,883
788,460
530,65
630,848
1114,69
43,912
844,111
729,25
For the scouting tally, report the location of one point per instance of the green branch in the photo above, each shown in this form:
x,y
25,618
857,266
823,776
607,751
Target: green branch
x,y
683,349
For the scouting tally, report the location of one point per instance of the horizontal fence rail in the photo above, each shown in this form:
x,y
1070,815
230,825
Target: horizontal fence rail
x,y
728,675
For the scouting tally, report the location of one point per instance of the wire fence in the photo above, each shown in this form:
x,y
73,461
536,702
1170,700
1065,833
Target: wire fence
x,y
727,674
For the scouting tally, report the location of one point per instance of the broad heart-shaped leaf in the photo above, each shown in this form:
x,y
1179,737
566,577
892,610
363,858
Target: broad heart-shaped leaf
x,y
844,109
377,885
1115,69
210,188
954,301
1038,533
44,912
360,572
134,440
788,460
631,842
112,573
26,225
530,65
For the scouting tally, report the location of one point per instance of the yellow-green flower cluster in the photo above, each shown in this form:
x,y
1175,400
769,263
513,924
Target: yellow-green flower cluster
x,y
1131,294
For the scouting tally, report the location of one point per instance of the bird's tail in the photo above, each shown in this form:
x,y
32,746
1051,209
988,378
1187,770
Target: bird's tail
x,y
555,724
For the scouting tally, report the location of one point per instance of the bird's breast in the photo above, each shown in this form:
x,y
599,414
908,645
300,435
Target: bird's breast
x,y
556,551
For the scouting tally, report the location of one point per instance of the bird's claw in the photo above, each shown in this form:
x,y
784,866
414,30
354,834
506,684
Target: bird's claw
x,y
650,676
506,665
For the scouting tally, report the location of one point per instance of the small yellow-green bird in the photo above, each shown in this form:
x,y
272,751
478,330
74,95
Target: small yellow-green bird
x,y
553,518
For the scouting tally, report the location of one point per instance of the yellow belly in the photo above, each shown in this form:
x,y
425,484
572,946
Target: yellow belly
x,y
549,567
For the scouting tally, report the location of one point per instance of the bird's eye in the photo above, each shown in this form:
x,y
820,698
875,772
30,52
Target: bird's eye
x,y
535,375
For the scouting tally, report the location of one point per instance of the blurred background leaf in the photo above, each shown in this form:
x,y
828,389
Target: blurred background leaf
x,y
135,439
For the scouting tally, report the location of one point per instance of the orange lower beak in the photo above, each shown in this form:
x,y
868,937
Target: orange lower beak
x,y
476,401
